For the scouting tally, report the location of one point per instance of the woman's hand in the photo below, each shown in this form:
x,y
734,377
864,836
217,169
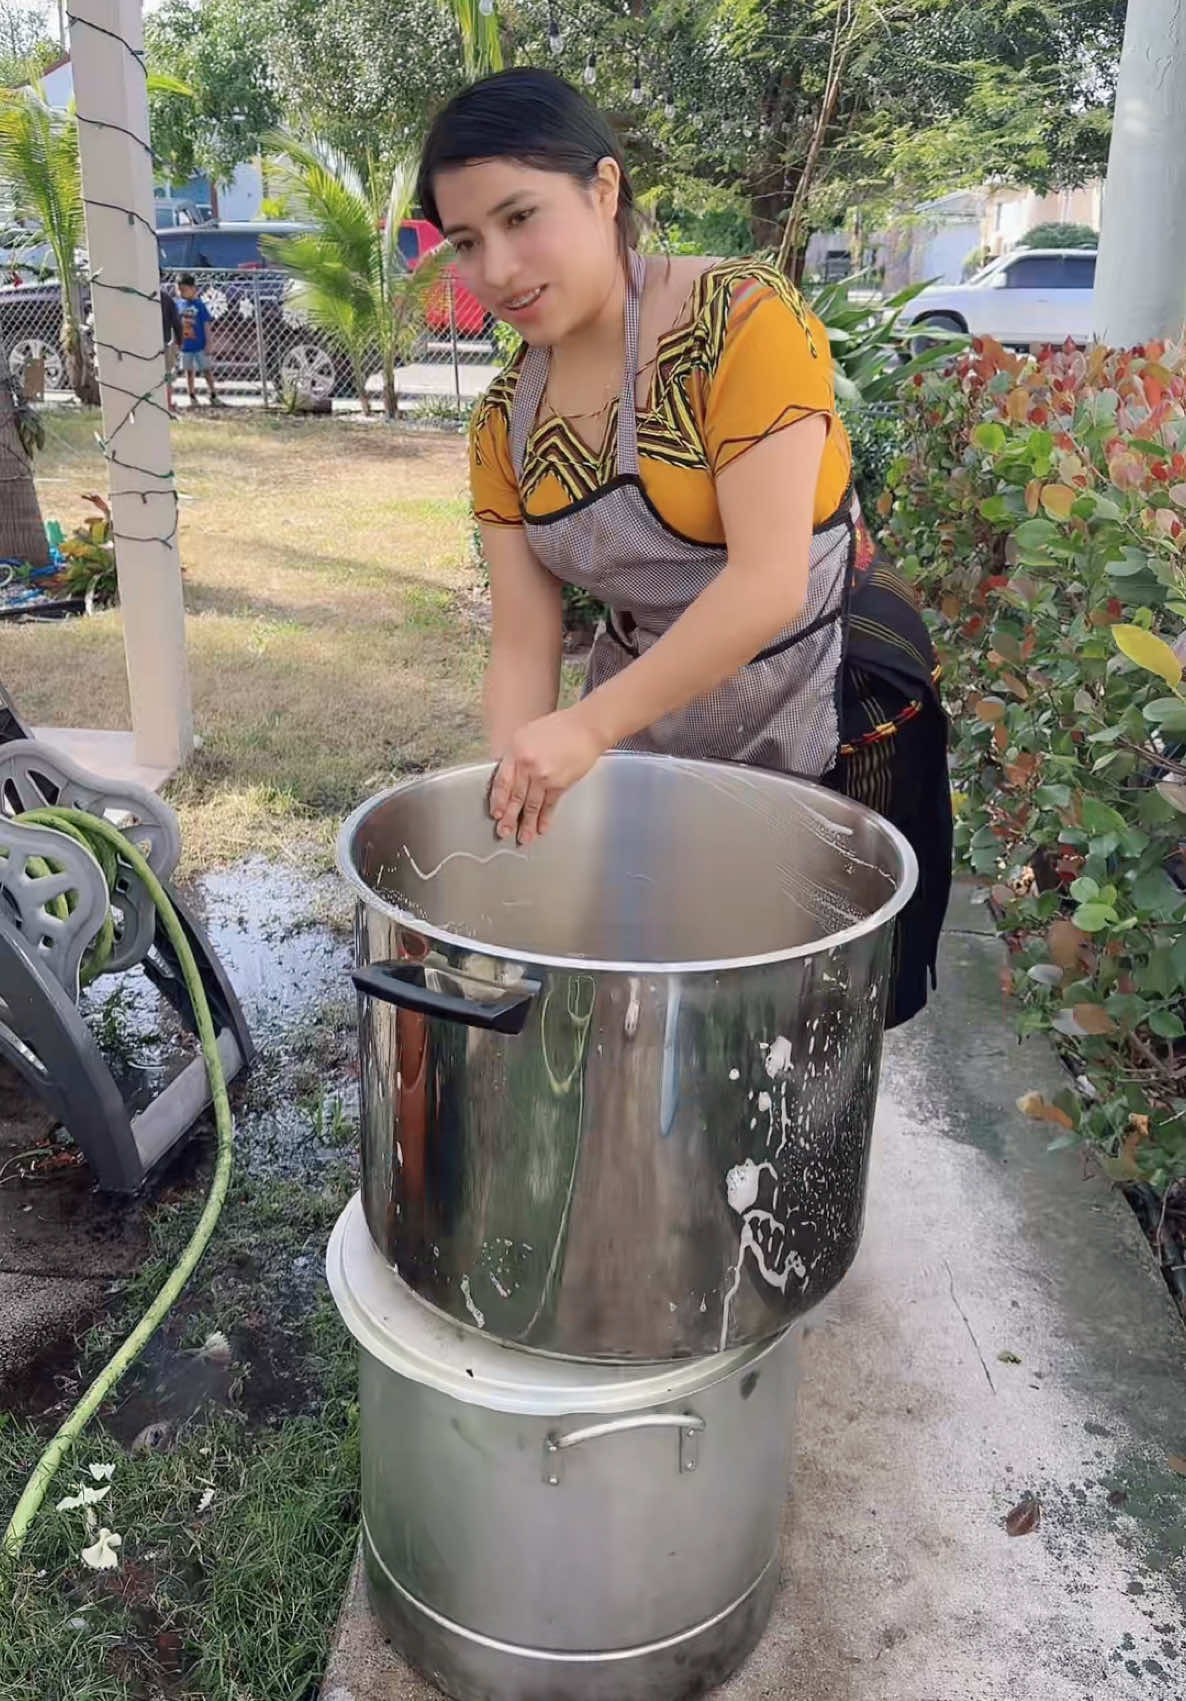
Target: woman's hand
x,y
543,759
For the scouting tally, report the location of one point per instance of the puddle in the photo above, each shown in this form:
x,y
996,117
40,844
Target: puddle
x,y
284,942
283,939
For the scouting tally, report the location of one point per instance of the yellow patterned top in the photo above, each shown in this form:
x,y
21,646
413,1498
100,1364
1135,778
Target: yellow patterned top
x,y
749,359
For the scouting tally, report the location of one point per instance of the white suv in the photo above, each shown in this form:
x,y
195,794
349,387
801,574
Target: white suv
x,y
1033,295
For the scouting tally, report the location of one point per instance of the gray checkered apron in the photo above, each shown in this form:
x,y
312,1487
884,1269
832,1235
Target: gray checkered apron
x,y
780,711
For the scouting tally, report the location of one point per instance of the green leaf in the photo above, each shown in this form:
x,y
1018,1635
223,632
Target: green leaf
x,y
1143,446
1168,713
1084,890
1053,796
1157,895
1101,817
1036,534
997,510
1132,562
1093,917
990,437
1165,1024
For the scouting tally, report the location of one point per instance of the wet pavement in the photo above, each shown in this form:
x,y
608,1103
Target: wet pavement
x,y
1003,1356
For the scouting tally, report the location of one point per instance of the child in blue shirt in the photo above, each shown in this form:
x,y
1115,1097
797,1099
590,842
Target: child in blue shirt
x,y
195,316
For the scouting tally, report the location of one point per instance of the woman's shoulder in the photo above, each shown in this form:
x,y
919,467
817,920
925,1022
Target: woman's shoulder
x,y
729,292
494,407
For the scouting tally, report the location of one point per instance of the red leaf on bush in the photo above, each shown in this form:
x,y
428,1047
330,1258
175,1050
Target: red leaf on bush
x,y
1063,941
1025,1517
1033,493
989,709
1016,686
1039,1109
1093,1019
1017,406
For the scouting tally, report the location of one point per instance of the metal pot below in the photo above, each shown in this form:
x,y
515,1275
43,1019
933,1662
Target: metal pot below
x,y
550,1530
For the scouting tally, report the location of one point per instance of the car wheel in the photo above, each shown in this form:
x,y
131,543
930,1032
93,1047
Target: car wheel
x,y
308,368
36,348
920,342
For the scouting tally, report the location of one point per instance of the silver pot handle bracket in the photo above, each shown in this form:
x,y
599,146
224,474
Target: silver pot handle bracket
x,y
689,1425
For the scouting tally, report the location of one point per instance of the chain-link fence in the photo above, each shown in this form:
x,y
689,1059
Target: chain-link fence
x,y
262,348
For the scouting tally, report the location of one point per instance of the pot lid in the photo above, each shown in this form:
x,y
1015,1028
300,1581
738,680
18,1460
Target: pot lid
x,y
415,1340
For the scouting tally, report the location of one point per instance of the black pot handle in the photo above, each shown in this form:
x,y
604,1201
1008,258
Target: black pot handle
x,y
405,984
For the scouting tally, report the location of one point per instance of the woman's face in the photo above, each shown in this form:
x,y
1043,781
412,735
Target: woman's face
x,y
537,248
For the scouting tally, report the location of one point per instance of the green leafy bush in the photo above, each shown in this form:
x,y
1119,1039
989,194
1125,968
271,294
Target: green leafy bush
x,y
871,346
877,436
1056,235
1040,507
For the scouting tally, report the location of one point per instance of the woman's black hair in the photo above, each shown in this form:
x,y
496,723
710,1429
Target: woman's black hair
x,y
531,116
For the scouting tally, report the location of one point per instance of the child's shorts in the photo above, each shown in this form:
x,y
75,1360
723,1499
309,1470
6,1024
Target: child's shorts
x,y
194,360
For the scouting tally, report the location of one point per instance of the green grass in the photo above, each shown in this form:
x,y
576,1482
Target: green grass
x,y
236,1603
326,571
223,1605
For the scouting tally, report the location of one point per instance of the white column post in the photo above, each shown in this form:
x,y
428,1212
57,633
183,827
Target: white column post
x,y
107,48
1140,280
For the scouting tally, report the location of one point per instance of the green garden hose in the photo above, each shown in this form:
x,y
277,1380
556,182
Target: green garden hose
x,y
109,846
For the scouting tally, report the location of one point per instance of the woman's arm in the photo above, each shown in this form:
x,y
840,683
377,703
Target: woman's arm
x,y
766,499
527,641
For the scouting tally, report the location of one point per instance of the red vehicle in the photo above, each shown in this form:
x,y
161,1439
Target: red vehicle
x,y
417,237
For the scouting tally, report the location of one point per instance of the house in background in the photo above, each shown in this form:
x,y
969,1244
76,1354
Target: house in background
x,y
942,240
1009,213
238,199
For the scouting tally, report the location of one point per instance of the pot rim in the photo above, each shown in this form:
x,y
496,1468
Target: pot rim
x,y
400,1331
871,923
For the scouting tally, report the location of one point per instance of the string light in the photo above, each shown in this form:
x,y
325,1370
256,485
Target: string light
x,y
669,106
636,94
164,485
486,7
555,39
590,72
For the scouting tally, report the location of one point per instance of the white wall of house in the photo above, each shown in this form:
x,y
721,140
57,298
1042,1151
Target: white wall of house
x,y
1010,213
59,86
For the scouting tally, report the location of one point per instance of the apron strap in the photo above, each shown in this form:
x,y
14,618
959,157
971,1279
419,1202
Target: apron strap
x,y
533,380
529,393
627,420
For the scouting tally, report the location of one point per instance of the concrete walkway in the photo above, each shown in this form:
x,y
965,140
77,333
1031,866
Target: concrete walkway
x,y
918,1433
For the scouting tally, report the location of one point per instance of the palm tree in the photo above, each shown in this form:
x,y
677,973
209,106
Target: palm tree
x,y
40,168
481,40
348,273
22,534
39,160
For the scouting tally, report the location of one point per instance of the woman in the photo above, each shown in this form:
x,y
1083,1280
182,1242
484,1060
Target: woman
x,y
667,439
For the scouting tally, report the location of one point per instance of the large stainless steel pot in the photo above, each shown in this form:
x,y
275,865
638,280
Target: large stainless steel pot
x,y
617,1091
536,1528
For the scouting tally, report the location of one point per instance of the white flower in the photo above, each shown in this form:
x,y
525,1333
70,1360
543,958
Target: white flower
x,y
102,1473
102,1556
216,1349
83,1495
207,1498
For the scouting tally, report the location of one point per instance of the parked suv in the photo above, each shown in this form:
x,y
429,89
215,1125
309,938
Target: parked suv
x,y
1033,295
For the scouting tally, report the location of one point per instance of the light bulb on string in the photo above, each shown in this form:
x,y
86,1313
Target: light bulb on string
x,y
486,7
555,39
590,72
669,106
636,94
